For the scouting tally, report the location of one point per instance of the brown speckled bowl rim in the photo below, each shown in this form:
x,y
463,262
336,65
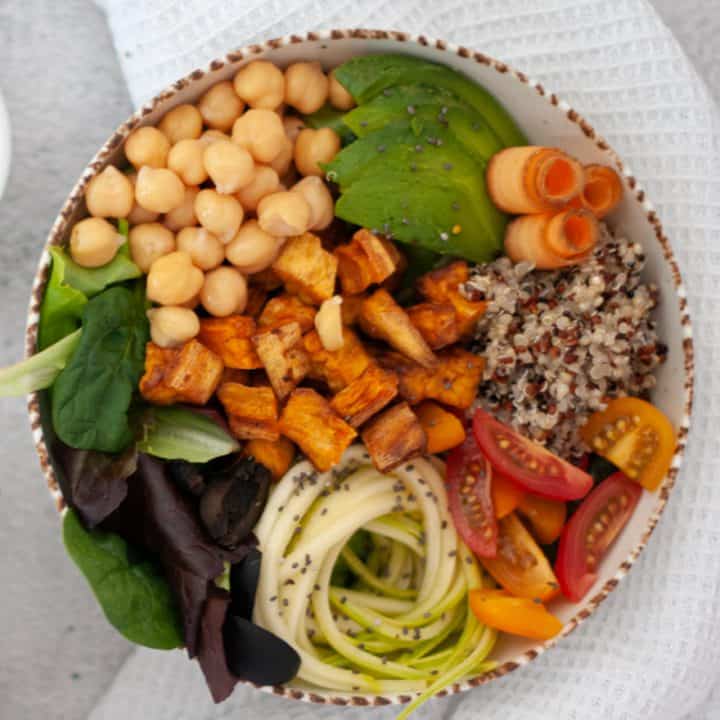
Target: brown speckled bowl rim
x,y
59,232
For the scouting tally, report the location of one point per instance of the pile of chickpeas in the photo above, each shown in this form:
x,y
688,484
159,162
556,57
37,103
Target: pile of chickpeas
x,y
214,192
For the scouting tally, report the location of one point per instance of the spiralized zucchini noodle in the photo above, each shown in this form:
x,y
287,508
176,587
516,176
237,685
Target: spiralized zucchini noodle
x,y
405,625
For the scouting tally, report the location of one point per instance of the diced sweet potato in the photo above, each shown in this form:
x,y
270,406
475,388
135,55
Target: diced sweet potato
x,y
437,323
255,300
394,436
350,308
453,382
383,318
285,363
252,411
266,279
309,421
443,429
366,395
340,367
365,261
194,374
230,338
401,263
152,384
231,375
441,286
287,308
307,270
276,455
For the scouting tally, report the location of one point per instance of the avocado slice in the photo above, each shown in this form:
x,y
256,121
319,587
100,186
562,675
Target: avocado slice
x,y
367,76
408,103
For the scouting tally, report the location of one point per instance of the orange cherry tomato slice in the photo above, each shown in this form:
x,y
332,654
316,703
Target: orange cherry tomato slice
x,y
514,615
506,495
636,437
519,565
546,517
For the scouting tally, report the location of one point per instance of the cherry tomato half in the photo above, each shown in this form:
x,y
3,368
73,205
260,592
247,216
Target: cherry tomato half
x,y
590,532
635,436
546,517
520,565
469,477
517,616
528,464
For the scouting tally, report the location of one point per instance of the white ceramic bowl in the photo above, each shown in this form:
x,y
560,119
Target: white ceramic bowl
x,y
5,149
547,121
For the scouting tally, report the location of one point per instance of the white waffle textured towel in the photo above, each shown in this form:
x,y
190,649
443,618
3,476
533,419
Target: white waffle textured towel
x,y
652,651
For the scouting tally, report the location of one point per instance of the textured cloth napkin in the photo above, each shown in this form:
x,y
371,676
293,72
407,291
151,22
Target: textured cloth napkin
x,y
652,650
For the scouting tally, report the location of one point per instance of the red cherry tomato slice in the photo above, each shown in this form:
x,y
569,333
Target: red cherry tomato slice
x,y
590,532
469,498
528,464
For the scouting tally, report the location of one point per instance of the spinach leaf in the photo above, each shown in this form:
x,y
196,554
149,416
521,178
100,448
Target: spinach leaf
x,y
134,596
40,370
70,286
93,484
175,433
91,396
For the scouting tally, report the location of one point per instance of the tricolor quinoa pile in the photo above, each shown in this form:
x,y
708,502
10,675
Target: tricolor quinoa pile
x,y
557,344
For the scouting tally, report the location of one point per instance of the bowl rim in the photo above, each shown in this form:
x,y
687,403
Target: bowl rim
x,y
636,191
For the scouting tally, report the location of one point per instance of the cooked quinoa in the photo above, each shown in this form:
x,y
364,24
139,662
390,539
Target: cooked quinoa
x,y
558,344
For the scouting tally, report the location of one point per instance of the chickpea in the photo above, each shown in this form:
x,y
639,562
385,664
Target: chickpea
x,y
261,85
110,194
293,125
211,136
94,242
147,146
205,250
229,166
222,215
224,292
172,326
252,249
183,122
306,86
339,97
159,190
264,182
173,279
284,214
185,159
328,323
139,215
313,147
317,194
281,164
220,106
261,132
184,214
148,242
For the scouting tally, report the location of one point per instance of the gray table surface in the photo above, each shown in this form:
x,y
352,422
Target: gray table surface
x,y
65,94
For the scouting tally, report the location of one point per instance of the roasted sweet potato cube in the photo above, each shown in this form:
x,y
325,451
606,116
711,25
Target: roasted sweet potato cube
x,y
230,338
350,308
394,436
443,428
307,270
195,373
287,308
383,318
366,395
365,261
453,382
437,323
442,285
309,421
158,361
252,411
266,279
337,368
256,297
276,455
285,362
231,375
